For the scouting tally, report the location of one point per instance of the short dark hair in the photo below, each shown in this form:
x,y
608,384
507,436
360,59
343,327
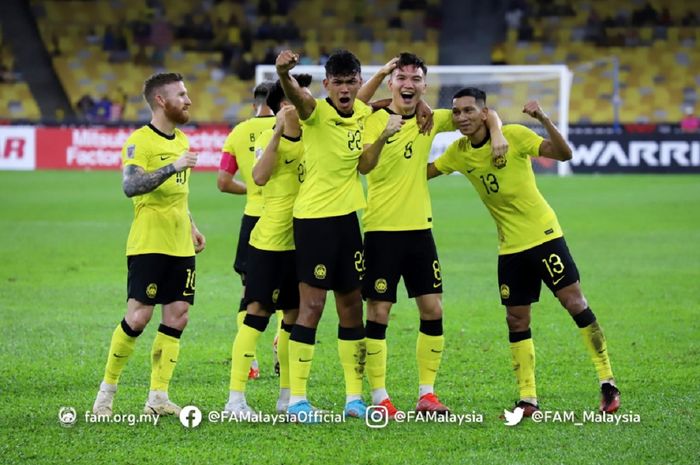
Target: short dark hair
x,y
262,90
157,81
410,59
276,95
342,63
478,94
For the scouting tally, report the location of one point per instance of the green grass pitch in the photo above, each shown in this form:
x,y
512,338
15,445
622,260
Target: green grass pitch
x,y
636,240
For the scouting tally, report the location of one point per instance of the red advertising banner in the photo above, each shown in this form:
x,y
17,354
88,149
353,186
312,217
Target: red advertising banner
x,y
100,148
17,150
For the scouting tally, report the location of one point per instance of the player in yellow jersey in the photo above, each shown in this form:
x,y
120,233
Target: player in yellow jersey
x,y
238,156
398,231
326,230
272,281
532,248
161,245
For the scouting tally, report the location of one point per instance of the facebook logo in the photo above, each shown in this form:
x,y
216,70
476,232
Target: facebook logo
x,y
190,416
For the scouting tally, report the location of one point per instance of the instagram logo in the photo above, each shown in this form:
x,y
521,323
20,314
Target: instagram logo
x,y
377,416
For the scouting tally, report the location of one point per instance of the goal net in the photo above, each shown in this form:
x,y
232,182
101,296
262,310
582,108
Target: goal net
x,y
507,88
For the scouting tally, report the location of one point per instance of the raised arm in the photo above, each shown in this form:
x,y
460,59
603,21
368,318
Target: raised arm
x,y
370,154
370,87
263,168
499,144
555,147
303,101
433,172
136,181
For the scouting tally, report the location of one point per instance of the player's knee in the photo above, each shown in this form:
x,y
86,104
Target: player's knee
x,y
138,320
430,310
378,311
574,303
517,322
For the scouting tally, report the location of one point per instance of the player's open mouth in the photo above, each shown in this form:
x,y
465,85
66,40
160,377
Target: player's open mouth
x,y
344,100
407,97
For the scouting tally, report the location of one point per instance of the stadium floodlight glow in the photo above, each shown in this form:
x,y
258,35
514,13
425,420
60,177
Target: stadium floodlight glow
x,y
508,88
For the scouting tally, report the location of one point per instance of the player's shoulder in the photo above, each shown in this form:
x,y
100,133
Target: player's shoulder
x,y
515,129
459,145
379,116
142,135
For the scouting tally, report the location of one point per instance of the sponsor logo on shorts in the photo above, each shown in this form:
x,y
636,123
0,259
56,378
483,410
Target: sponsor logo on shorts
x,y
152,290
380,285
320,271
505,291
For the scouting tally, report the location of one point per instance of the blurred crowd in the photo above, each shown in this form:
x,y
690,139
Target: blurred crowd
x,y
620,29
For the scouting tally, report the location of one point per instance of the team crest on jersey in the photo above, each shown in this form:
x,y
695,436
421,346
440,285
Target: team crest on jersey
x,y
151,290
320,271
130,151
380,285
500,162
275,295
505,291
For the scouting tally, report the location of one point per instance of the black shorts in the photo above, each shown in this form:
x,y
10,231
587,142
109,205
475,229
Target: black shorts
x,y
160,279
389,255
520,274
240,263
272,280
329,252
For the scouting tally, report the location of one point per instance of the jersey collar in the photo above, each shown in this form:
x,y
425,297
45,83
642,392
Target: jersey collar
x,y
392,112
161,134
341,114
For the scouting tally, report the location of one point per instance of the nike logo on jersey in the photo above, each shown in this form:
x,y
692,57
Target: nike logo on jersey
x,y
554,283
286,162
469,171
120,356
164,157
391,141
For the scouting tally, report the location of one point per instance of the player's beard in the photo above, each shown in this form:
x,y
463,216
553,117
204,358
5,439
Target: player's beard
x,y
175,114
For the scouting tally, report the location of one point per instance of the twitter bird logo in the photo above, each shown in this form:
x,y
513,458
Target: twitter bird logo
x,y
514,417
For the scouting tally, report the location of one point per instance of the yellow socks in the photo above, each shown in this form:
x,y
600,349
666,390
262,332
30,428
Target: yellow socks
x,y
301,352
522,351
166,348
594,339
352,352
121,347
429,347
243,349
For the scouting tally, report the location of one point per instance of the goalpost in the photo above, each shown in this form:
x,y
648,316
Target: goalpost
x,y
508,88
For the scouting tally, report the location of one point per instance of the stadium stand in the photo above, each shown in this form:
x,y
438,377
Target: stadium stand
x,y
655,43
102,50
16,101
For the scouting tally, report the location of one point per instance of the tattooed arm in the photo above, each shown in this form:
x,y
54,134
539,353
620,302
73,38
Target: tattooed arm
x,y
136,181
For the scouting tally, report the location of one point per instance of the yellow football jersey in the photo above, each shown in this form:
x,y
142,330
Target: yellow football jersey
x,y
161,219
332,148
523,217
274,230
397,188
240,144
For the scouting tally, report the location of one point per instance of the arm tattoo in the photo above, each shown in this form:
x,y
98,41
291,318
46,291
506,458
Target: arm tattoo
x,y
137,181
